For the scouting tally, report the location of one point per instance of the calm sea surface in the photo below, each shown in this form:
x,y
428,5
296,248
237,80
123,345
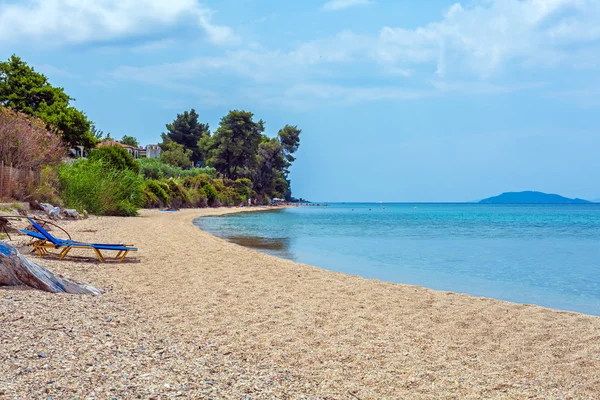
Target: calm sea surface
x,y
540,254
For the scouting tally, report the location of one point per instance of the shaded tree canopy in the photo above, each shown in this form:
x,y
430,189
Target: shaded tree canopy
x,y
239,149
270,173
97,133
289,137
25,90
187,131
233,148
176,154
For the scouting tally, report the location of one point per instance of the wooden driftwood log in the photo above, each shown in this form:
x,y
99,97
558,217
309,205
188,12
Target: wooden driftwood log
x,y
15,270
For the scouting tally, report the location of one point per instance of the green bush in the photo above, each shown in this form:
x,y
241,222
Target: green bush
x,y
94,186
244,187
178,196
209,191
159,192
154,168
149,199
197,199
46,191
115,157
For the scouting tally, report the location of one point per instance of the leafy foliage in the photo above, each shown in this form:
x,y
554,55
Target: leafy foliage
x,y
47,189
158,190
239,149
232,149
154,168
97,133
187,131
176,155
25,142
25,90
289,137
130,141
115,157
94,186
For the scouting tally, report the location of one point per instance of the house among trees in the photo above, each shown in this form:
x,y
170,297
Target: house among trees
x,y
134,151
150,151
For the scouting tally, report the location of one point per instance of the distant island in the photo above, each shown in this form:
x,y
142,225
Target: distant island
x,y
530,197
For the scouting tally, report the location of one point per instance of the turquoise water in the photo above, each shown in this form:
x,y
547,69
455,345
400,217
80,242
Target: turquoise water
x,y
547,255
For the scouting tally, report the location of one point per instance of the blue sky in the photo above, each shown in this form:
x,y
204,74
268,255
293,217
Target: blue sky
x,y
397,100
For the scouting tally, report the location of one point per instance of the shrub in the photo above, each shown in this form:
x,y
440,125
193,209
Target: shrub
x,y
176,155
149,199
244,187
47,189
178,196
93,186
197,199
158,191
25,142
209,191
154,168
115,157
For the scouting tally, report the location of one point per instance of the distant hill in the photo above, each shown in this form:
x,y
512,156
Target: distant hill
x,y
530,197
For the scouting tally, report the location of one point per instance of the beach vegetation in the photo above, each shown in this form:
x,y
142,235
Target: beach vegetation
x,y
115,157
233,148
187,131
236,164
155,194
27,91
98,188
26,143
176,155
47,190
154,168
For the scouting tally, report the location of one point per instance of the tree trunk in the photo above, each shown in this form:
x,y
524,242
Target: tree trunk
x,y
15,270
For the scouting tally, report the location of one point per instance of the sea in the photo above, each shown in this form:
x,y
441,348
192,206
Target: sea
x,y
548,255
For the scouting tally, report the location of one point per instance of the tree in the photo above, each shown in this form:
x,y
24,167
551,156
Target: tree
x,y
187,131
97,133
289,137
130,141
270,177
234,146
176,154
25,90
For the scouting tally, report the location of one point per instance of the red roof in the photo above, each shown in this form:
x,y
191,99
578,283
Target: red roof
x,y
110,142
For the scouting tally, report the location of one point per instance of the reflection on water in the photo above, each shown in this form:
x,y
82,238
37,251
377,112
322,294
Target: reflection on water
x,y
279,247
541,254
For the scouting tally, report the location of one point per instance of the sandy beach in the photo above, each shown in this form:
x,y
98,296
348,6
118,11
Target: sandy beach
x,y
193,316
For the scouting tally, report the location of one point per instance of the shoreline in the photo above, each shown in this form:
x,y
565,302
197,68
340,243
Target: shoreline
x,y
197,315
266,208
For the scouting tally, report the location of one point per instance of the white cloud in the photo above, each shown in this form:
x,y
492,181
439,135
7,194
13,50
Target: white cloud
x,y
475,50
335,5
82,21
484,38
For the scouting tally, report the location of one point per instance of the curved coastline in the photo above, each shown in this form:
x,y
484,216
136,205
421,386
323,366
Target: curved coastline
x,y
205,317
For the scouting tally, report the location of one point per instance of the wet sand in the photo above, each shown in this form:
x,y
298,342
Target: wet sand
x,y
193,316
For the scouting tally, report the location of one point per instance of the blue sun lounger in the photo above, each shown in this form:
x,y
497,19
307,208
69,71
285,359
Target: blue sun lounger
x,y
44,240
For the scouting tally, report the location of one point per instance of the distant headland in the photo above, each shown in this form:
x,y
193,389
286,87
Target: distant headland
x,y
530,197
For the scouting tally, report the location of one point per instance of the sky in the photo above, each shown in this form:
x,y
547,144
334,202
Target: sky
x,y
397,100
